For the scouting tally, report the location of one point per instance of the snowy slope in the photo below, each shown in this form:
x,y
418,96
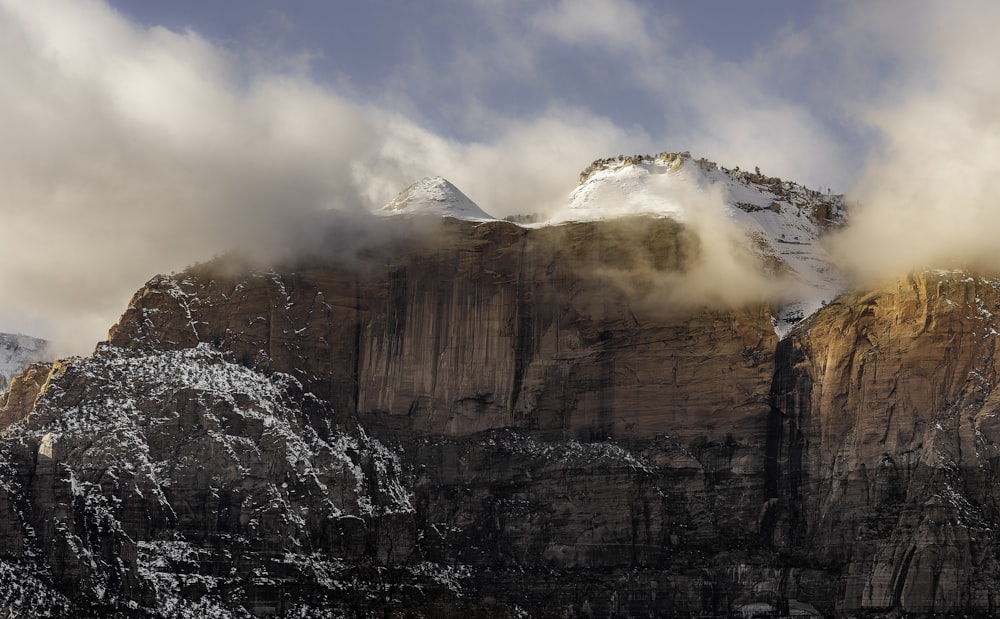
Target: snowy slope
x,y
783,221
435,196
18,352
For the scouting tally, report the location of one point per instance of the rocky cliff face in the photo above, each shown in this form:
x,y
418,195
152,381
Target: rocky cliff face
x,y
483,422
887,461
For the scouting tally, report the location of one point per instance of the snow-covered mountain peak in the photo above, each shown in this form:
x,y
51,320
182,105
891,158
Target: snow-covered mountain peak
x,y
661,185
783,222
435,196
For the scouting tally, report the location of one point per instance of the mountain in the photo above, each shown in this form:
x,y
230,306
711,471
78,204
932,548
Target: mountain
x,y
435,196
782,223
477,420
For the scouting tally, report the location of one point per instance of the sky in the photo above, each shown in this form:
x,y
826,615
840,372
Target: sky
x,y
141,137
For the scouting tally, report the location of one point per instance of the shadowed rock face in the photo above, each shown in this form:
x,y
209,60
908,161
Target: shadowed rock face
x,y
484,423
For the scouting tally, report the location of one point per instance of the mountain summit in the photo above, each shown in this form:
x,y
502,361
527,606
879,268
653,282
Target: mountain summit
x,y
435,196
777,223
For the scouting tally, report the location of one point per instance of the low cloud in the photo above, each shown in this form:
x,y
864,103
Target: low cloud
x,y
930,195
695,258
128,152
131,151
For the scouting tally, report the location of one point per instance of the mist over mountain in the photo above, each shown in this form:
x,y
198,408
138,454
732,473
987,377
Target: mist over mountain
x,y
18,352
145,149
665,398
347,344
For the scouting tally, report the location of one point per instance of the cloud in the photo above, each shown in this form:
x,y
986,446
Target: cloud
x,y
747,112
930,196
531,166
617,26
735,116
130,151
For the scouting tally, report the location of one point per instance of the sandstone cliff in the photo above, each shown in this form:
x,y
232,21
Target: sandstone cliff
x,y
887,459
481,422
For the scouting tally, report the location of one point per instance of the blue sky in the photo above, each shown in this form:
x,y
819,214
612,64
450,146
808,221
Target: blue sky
x,y
140,137
413,53
465,69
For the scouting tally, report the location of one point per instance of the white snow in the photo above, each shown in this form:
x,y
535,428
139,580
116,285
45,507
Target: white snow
x,y
435,196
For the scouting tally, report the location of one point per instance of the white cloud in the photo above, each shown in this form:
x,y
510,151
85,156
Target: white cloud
x,y
930,196
130,151
619,26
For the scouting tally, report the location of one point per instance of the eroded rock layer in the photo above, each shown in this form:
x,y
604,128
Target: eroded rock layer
x,y
493,421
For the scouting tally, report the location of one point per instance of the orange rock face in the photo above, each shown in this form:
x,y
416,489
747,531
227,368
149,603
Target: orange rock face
x,y
887,406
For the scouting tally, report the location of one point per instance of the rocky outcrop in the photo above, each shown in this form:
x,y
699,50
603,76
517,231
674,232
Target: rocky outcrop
x,y
497,421
19,399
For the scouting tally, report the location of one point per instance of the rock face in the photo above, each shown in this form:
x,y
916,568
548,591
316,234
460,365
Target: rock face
x,y
887,461
484,422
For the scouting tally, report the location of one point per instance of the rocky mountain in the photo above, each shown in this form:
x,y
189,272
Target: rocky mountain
x,y
478,420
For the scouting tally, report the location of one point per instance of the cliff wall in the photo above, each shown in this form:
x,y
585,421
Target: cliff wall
x,y
492,421
888,457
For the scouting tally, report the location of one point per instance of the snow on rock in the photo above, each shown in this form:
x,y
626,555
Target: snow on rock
x,y
18,352
435,196
189,441
783,222
253,423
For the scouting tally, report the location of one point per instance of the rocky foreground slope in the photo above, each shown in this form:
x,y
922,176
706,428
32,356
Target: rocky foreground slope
x,y
480,422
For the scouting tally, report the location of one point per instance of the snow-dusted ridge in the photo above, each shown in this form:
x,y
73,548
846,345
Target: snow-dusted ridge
x,y
783,221
128,444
